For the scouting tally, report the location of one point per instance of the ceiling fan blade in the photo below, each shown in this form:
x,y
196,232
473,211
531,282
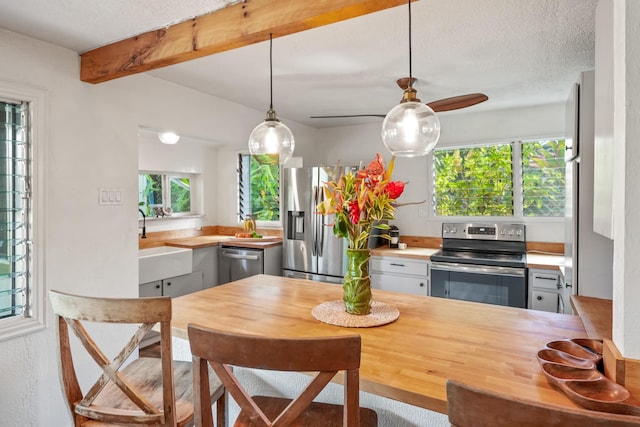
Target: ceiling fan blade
x,y
348,116
457,102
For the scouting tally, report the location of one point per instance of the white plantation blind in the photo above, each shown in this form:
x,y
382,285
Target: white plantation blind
x,y
15,209
244,186
543,178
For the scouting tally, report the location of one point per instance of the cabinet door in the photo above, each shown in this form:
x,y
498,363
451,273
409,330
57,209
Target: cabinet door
x,y
545,301
206,260
182,285
396,283
150,289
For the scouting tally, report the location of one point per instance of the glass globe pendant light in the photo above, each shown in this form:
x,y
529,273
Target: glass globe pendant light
x,y
272,136
411,128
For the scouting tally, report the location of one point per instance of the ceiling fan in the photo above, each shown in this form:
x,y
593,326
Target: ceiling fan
x,y
446,104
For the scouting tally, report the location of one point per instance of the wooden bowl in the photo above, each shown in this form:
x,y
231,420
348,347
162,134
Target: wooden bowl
x,y
590,344
601,395
574,349
565,373
560,357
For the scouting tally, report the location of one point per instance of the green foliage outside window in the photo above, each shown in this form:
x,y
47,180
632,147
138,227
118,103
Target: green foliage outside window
x,y
474,181
265,188
180,194
162,190
543,178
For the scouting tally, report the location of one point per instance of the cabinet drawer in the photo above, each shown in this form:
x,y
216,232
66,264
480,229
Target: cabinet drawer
x,y
538,279
545,301
399,266
150,289
409,285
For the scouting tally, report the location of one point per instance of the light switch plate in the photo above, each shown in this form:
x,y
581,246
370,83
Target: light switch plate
x,y
109,196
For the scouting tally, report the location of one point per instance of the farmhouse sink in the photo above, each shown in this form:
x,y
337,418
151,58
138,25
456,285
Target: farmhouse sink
x,y
163,262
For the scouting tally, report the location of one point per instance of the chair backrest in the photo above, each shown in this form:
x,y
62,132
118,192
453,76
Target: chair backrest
x,y
470,406
326,356
135,406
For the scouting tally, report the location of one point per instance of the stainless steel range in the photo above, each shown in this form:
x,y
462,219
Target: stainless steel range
x,y
481,262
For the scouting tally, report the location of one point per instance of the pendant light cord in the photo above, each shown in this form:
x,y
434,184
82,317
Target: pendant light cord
x,y
410,71
271,70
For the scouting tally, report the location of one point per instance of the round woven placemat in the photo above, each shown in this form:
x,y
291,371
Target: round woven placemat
x,y
333,313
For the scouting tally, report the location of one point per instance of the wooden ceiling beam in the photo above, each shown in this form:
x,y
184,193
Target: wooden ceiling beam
x,y
232,27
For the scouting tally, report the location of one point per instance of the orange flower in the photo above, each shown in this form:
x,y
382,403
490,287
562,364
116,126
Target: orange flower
x,y
376,167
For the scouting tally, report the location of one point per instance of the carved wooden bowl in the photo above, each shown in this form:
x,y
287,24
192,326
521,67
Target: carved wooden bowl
x,y
575,349
571,367
558,356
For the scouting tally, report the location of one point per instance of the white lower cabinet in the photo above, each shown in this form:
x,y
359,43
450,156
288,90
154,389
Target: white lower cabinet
x,y
173,286
545,290
400,275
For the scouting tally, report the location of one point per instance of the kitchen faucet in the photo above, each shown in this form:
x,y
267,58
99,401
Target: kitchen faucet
x,y
144,224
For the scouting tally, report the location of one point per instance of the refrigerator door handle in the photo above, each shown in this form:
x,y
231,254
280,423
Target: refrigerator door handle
x,y
321,226
314,221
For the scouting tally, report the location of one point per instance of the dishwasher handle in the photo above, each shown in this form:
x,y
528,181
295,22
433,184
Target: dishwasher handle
x,y
232,255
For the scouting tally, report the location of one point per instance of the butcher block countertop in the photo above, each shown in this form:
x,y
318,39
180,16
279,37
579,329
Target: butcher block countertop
x,y
534,260
199,242
410,252
410,359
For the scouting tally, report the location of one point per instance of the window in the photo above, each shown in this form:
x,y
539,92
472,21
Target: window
x,y
258,187
22,292
510,179
157,191
543,178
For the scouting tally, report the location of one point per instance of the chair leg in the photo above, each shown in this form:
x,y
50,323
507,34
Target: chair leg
x,y
221,410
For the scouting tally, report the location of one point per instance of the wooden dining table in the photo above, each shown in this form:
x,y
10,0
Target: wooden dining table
x,y
408,360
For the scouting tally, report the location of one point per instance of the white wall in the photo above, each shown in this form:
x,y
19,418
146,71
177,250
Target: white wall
x,y
352,144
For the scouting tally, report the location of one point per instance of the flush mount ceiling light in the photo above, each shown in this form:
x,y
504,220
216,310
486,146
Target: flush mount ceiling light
x,y
272,136
168,137
411,128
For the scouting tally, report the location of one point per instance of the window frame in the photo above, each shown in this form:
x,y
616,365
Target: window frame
x,y
518,211
166,190
35,320
259,223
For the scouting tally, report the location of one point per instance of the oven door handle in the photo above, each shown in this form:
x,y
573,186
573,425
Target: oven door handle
x,y
478,269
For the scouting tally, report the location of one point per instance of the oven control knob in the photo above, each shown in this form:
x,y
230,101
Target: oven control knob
x,y
453,230
446,230
519,232
510,232
503,232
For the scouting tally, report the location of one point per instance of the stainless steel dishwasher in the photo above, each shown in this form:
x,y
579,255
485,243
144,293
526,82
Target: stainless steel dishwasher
x,y
237,263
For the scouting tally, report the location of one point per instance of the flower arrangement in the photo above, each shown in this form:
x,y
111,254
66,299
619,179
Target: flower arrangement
x,y
361,201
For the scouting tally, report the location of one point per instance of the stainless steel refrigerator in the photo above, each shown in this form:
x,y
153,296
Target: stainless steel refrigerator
x,y
588,255
310,249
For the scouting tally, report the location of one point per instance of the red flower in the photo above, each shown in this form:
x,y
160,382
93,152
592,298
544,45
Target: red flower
x,y
354,211
394,189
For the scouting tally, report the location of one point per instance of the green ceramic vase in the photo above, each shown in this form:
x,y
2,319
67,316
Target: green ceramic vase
x,y
357,283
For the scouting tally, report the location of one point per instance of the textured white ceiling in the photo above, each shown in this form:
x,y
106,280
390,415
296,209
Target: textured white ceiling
x,y
518,52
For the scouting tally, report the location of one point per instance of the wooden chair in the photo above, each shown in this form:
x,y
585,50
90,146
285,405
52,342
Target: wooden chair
x,y
147,391
326,356
470,406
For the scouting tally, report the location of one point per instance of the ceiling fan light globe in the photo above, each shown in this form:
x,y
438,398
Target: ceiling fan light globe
x,y
272,137
410,129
